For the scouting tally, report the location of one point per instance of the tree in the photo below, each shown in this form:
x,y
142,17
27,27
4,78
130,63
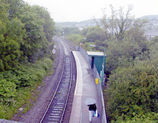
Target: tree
x,y
15,7
132,90
136,31
48,24
84,31
124,38
25,56
35,37
153,48
124,53
93,33
10,41
71,30
77,39
4,11
117,23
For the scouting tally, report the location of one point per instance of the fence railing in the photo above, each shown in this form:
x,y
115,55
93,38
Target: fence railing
x,y
99,86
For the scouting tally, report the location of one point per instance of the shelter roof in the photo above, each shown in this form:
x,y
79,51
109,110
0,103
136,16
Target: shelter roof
x,y
93,53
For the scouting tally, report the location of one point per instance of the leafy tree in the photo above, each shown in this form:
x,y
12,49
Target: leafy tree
x,y
71,30
48,24
153,48
26,28
15,30
10,44
4,14
35,37
132,90
117,23
77,39
84,31
59,31
123,38
15,7
93,34
25,36
125,52
136,31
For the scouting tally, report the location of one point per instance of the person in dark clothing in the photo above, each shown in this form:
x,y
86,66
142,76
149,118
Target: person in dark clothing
x,y
92,108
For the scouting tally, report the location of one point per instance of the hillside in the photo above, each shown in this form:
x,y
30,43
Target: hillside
x,y
150,17
82,24
150,28
91,22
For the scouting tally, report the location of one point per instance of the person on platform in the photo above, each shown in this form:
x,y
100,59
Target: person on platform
x,y
92,110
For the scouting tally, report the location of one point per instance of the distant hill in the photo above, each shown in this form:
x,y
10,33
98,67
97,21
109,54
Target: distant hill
x,y
65,24
81,24
87,23
150,17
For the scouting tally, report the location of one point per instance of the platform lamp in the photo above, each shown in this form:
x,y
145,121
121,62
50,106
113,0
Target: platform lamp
x,y
102,72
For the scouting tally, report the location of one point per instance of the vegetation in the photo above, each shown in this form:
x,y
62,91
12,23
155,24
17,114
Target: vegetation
x,y
25,58
131,93
25,52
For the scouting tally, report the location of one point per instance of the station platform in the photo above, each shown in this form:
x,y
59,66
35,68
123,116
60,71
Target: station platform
x,y
85,88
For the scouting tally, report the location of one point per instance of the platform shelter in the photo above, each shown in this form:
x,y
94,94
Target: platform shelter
x,y
97,60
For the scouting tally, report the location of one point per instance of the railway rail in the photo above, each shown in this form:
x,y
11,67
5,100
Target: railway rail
x,y
58,104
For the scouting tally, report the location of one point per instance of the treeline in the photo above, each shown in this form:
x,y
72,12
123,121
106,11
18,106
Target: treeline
x,y
131,93
25,52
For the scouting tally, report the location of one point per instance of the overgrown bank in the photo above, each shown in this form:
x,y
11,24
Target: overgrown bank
x,y
26,34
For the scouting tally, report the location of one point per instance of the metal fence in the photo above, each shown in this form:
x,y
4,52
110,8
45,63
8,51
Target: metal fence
x,y
99,86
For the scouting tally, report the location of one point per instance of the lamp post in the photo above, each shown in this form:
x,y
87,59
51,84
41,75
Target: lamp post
x,y
102,72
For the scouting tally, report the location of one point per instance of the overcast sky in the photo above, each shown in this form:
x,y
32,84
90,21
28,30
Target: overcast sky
x,y
80,10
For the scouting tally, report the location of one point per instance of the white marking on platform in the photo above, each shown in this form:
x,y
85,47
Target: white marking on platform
x,y
79,82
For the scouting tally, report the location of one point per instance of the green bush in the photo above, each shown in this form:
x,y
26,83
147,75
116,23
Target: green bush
x,y
76,38
141,118
16,85
7,89
132,90
45,64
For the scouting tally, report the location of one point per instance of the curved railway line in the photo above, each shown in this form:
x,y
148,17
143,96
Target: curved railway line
x,y
62,97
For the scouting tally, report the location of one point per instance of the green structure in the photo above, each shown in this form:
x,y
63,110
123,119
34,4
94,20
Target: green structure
x,y
97,59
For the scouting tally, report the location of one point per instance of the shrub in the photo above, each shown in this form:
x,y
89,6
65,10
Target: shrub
x,y
7,90
76,38
16,85
132,90
140,118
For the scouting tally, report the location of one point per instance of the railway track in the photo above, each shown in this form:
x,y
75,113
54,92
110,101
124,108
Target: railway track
x,y
58,104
